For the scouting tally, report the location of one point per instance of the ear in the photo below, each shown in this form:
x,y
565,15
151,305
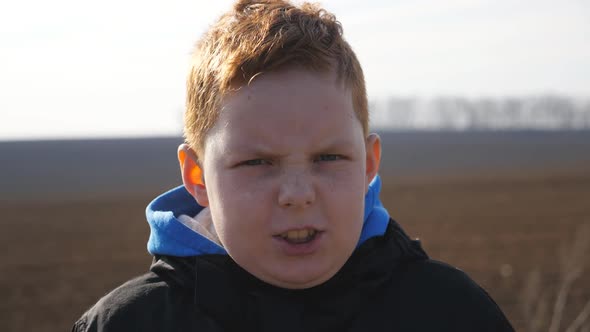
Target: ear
x,y
192,174
373,150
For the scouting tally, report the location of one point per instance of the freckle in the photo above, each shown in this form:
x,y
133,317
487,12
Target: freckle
x,y
249,97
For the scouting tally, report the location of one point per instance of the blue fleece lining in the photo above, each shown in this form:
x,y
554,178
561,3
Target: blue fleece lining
x,y
376,216
169,236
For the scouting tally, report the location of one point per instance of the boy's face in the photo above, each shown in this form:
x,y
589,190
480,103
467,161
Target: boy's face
x,y
285,170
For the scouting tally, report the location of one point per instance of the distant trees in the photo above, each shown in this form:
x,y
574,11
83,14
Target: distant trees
x,y
458,113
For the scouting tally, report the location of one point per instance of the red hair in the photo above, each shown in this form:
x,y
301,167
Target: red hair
x,y
264,36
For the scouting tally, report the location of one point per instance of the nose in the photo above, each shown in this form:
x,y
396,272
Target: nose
x,y
296,190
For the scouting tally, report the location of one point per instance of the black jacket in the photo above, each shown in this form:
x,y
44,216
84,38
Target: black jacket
x,y
388,284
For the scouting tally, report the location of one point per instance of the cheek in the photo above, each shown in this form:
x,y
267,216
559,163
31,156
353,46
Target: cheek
x,y
344,195
242,194
236,205
349,208
345,182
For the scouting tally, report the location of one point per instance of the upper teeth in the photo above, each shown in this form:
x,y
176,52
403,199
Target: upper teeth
x,y
299,234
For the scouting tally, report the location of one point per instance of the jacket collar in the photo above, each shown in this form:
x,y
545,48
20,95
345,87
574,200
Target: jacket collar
x,y
222,289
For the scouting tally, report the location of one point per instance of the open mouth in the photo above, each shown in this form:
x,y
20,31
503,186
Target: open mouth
x,y
299,236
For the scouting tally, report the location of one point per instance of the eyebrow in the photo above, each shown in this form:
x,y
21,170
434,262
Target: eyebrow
x,y
266,150
339,144
255,149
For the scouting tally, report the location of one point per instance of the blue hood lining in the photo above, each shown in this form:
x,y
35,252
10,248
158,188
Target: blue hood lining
x,y
169,236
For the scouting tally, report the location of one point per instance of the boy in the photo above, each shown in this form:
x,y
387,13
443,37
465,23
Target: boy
x,y
288,233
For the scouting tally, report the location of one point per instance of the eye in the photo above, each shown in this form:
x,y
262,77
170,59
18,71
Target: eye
x,y
254,162
329,157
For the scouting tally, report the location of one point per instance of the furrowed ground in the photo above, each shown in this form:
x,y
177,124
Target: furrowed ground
x,y
61,257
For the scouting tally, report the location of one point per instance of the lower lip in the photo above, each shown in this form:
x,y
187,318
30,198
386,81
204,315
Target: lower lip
x,y
299,249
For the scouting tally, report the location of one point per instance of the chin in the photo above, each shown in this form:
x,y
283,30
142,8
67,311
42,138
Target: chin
x,y
300,284
299,280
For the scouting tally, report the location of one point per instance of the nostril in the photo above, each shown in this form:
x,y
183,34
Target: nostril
x,y
296,192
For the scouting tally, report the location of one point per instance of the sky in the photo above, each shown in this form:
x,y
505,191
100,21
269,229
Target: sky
x,y
80,69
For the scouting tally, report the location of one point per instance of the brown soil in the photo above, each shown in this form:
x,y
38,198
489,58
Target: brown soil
x,y
59,258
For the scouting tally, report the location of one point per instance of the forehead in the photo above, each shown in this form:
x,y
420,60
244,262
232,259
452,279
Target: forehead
x,y
280,107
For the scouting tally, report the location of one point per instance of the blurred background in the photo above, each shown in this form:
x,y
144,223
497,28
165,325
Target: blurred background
x,y
483,108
